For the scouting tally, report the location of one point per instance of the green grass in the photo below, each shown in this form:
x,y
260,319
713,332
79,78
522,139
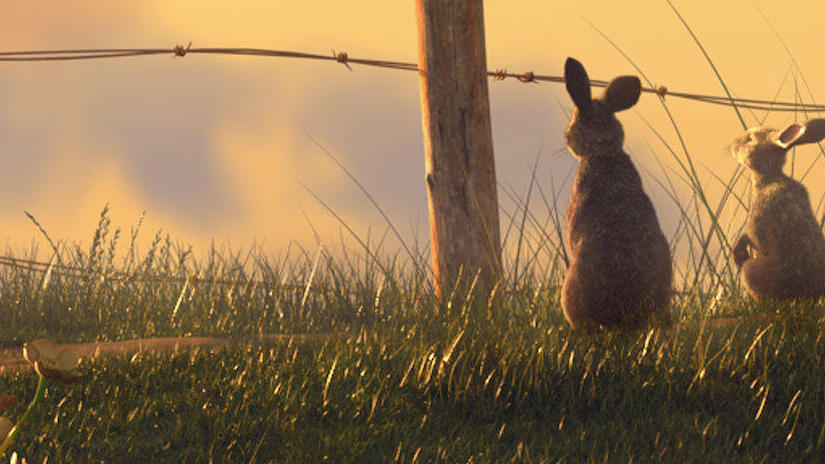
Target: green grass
x,y
487,379
488,383
474,378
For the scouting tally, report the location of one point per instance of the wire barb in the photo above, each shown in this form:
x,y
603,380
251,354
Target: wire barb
x,y
500,74
178,50
342,58
661,91
529,76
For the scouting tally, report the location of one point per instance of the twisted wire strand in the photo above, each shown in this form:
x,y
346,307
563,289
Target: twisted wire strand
x,y
346,60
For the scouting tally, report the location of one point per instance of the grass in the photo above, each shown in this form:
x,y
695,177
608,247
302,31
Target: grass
x,y
472,381
477,377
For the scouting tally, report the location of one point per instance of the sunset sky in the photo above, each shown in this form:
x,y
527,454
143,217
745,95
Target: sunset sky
x,y
216,147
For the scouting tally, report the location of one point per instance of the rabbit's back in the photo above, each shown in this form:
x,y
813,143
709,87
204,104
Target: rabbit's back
x,y
608,198
621,268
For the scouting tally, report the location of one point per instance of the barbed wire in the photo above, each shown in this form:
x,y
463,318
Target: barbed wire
x,y
346,60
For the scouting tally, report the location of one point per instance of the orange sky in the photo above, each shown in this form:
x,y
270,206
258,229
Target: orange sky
x,y
215,147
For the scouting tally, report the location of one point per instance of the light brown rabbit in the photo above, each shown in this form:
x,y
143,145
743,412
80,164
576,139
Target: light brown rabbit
x,y
621,272
782,252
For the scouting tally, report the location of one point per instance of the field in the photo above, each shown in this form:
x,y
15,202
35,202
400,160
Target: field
x,y
481,378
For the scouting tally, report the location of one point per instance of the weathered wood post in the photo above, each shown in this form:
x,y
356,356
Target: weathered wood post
x,y
458,143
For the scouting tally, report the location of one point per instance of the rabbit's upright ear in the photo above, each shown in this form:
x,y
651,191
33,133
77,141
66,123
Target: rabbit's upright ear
x,y
814,132
578,84
790,136
622,93
798,134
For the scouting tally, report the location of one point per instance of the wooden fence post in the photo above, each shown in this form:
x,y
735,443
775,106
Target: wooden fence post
x,y
458,143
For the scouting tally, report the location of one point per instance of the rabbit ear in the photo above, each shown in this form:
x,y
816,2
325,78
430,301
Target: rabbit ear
x,y
790,136
798,134
622,93
578,84
814,132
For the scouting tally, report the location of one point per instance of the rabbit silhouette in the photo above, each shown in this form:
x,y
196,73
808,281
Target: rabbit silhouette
x,y
621,272
781,254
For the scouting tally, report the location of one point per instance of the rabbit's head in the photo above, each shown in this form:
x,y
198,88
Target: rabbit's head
x,y
763,150
594,129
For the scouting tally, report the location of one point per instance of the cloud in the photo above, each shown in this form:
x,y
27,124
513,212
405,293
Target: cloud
x,y
40,24
262,162
313,25
68,205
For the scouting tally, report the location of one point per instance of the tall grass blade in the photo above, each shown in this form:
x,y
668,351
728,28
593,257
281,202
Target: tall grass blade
x,y
311,277
710,62
47,277
413,258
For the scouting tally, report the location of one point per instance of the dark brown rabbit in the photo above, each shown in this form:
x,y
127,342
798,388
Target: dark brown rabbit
x,y
621,272
782,251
